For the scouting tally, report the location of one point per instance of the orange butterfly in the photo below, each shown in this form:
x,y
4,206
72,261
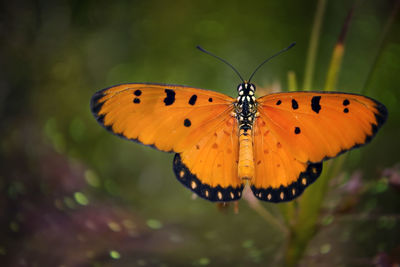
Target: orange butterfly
x,y
276,142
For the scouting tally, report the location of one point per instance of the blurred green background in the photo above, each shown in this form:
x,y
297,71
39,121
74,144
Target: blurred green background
x,y
74,195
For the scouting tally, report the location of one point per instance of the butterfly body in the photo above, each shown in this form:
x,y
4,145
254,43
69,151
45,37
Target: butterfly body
x,y
245,111
276,143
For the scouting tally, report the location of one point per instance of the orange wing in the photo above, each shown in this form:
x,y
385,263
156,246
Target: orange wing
x,y
167,117
210,167
194,122
296,131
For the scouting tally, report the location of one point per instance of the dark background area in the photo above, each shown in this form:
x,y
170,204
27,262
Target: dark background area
x,y
74,195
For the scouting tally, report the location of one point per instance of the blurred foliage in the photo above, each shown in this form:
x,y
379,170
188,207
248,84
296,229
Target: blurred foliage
x,y
73,195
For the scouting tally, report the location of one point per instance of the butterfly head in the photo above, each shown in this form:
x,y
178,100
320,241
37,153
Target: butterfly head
x,y
246,89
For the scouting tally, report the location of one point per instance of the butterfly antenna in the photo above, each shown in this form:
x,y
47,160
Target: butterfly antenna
x,y
223,60
271,57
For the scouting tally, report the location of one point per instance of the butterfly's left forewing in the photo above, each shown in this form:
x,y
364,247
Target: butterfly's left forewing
x,y
295,132
167,117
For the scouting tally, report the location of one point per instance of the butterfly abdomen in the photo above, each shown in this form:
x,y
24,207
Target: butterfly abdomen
x,y
246,158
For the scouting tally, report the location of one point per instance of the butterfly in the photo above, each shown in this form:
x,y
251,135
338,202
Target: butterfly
x,y
276,143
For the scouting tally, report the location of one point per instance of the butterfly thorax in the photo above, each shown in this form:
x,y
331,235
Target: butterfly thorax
x,y
245,106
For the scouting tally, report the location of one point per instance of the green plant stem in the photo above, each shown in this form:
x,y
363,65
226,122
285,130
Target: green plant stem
x,y
255,204
292,82
310,203
313,45
267,216
334,67
337,55
381,45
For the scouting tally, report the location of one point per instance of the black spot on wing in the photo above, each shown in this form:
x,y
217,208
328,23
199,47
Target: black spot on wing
x,y
346,102
187,123
315,106
295,105
137,92
346,110
297,130
170,98
210,99
278,102
136,100
292,191
211,193
192,100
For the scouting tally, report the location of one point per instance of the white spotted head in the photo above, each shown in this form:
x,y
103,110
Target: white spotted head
x,y
246,89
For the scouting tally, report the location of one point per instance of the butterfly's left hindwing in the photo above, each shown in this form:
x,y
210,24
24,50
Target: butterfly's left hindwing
x,y
294,132
210,167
